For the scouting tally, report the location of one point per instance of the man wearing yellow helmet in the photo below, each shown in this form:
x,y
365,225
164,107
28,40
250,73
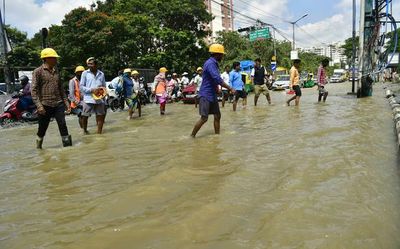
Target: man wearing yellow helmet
x,y
161,89
75,94
208,102
49,97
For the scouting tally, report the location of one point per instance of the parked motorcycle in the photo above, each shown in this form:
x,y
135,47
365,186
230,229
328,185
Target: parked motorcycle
x,y
13,111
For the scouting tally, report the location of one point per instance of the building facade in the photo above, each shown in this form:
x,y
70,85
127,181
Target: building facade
x,y
222,12
333,51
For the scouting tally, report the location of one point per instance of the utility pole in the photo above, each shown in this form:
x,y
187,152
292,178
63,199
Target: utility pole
x,y
4,50
353,62
294,23
367,25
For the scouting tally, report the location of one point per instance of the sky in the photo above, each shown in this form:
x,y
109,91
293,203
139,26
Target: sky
x,y
328,21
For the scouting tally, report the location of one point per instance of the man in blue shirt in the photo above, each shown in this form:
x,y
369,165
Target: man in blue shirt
x,y
128,92
208,102
236,82
93,83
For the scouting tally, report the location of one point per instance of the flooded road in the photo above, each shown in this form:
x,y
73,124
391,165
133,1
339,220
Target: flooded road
x,y
318,176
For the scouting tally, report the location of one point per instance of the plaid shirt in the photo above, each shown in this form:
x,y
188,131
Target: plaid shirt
x,y
46,87
321,76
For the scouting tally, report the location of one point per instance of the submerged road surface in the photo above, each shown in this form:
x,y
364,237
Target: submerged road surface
x,y
318,176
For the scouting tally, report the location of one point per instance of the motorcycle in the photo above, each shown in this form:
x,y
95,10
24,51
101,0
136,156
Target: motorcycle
x,y
13,111
114,101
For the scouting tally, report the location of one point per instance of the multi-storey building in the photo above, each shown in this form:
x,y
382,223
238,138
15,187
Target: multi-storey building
x,y
333,51
222,12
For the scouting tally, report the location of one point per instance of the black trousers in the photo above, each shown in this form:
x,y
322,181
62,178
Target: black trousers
x,y
58,113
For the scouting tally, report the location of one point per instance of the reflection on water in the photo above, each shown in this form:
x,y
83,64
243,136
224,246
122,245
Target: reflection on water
x,y
318,176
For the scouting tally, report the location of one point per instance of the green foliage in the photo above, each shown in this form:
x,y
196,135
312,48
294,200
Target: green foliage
x,y
239,48
134,33
348,47
391,43
24,52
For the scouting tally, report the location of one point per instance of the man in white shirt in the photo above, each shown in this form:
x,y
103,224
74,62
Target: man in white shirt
x,y
225,92
185,80
197,81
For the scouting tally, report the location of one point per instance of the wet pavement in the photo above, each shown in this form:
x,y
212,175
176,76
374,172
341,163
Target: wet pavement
x,y
317,176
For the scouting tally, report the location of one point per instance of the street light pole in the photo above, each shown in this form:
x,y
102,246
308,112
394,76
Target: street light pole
x,y
294,23
353,60
294,41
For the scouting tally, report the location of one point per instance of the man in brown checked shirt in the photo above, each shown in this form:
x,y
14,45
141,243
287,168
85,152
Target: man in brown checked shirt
x,y
49,97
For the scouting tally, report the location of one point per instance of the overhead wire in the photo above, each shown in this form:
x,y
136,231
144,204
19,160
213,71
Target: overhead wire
x,y
310,35
259,11
281,33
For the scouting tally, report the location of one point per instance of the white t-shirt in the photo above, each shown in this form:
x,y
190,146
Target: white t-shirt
x,y
197,81
225,77
136,85
185,81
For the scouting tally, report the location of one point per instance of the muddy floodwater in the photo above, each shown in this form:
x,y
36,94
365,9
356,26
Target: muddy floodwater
x,y
318,176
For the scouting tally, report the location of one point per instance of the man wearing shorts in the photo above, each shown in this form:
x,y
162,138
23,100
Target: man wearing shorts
x,y
92,81
258,74
129,94
236,82
208,102
294,82
321,80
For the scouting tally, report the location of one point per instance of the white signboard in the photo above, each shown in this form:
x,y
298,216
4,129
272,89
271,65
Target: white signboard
x,y
294,55
27,73
395,59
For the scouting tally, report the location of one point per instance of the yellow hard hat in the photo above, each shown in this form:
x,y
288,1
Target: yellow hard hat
x,y
199,69
127,70
163,70
48,53
217,49
79,69
134,72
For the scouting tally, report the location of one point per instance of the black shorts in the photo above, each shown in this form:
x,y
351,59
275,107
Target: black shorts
x,y
297,90
240,94
206,107
225,94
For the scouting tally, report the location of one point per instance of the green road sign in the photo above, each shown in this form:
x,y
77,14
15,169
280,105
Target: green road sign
x,y
260,34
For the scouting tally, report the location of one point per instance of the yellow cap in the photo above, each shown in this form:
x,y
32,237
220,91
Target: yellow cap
x,y
163,70
127,70
134,72
79,69
217,49
48,53
199,69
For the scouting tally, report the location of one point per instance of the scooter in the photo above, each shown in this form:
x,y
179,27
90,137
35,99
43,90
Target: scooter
x,y
13,111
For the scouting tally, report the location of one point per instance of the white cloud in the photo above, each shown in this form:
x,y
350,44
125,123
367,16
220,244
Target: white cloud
x,y
30,17
332,29
265,10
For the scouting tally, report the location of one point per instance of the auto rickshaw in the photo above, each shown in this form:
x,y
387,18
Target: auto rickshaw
x,y
309,82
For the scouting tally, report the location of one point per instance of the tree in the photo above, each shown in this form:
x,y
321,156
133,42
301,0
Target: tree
x,y
24,53
348,48
134,33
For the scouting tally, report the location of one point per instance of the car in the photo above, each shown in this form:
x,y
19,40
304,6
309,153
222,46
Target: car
x,y
3,87
336,78
356,76
189,94
281,83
